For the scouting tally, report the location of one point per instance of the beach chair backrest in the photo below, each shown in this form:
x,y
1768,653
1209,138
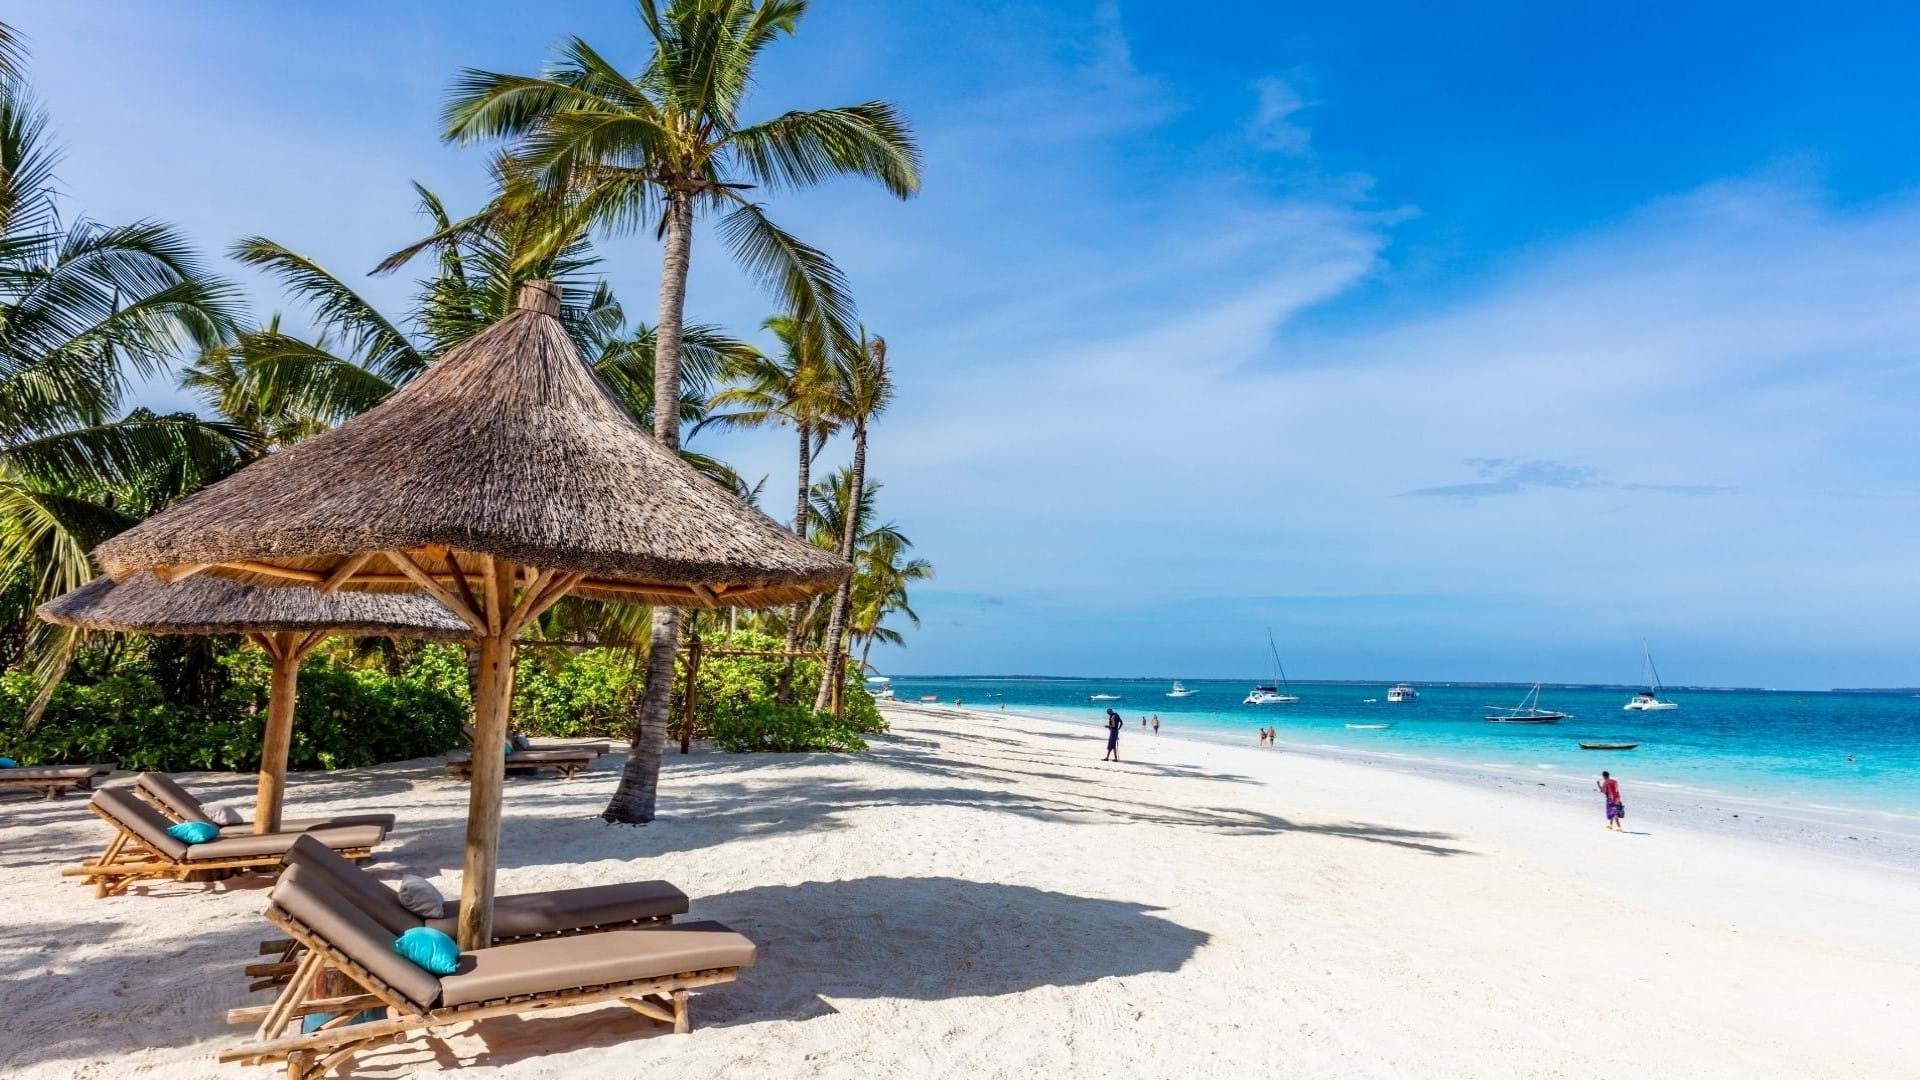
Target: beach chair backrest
x,y
366,892
338,921
172,796
139,819
467,730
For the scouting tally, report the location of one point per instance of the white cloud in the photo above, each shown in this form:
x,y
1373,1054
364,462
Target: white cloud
x,y
1276,124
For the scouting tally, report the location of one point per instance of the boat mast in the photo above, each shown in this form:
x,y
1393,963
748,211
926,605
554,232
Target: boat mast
x,y
1653,675
1279,670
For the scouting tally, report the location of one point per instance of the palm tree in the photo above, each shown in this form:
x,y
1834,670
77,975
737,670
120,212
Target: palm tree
x,y
654,148
881,580
84,307
793,387
862,391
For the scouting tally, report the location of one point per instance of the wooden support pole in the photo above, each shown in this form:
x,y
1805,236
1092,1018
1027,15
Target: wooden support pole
x,y
282,695
491,704
691,696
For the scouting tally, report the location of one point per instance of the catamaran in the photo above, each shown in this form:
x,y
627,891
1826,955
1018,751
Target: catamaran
x,y
1270,693
1180,691
1527,712
1648,700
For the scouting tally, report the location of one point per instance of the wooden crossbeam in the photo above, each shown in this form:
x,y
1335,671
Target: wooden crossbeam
x,y
451,601
345,570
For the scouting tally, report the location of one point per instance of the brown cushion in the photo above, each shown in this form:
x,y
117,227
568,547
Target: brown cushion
x,y
366,891
140,819
339,922
49,772
251,844
550,964
176,799
533,914
383,821
595,748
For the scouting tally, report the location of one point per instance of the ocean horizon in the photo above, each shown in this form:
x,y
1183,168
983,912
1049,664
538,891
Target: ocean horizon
x,y
1844,750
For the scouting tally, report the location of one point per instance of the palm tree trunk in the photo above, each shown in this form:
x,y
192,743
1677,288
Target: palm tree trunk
x,y
865,648
634,799
783,693
835,671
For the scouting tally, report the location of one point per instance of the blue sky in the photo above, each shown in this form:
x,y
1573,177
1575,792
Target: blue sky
x,y
1449,343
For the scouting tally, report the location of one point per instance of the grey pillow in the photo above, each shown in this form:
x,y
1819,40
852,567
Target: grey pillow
x,y
520,742
418,895
221,814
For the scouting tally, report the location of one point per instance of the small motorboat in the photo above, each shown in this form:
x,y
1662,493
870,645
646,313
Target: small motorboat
x,y
1609,745
1180,691
1103,697
1402,693
930,698
1369,727
1527,712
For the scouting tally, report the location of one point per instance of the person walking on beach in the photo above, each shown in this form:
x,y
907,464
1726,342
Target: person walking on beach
x,y
1616,810
1156,723
1114,724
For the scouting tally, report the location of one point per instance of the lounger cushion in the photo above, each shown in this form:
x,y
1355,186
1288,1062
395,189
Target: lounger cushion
x,y
418,895
383,821
366,891
24,773
221,814
249,845
140,819
8,763
552,964
194,832
172,796
534,914
339,922
429,950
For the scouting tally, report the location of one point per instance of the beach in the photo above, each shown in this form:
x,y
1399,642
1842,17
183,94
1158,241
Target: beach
x,y
981,896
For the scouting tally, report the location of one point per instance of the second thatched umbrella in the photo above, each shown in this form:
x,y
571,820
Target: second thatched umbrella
x,y
287,623
500,480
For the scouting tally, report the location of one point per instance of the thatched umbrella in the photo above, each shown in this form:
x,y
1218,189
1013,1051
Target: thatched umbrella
x,y
287,623
503,478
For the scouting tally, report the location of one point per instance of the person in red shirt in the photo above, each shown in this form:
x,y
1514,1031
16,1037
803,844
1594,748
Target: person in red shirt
x,y
1616,810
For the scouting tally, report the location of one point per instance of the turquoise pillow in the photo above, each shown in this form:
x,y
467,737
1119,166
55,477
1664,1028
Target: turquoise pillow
x,y
429,949
8,763
509,747
195,832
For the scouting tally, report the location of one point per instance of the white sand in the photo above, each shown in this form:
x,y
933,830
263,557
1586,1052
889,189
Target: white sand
x,y
985,898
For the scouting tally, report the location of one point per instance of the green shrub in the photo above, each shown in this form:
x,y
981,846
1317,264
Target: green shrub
x,y
765,726
592,692
344,718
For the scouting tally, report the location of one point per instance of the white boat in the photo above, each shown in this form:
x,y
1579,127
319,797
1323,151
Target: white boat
x,y
1270,693
1369,727
1648,700
1527,712
1103,697
1402,692
1180,691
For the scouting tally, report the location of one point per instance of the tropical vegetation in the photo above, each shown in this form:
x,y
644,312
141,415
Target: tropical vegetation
x,y
88,311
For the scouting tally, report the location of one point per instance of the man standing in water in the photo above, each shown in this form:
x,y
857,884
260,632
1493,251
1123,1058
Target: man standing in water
x,y
1610,791
1114,724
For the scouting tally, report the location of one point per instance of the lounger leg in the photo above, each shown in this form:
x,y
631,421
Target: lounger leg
x,y
682,1019
296,991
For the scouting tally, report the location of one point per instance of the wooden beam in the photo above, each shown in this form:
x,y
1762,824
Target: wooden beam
x,y
523,610
344,571
171,574
251,566
459,577
707,595
439,592
497,594
282,695
487,767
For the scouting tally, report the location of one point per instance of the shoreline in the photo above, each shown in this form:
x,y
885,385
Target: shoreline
x,y
1850,833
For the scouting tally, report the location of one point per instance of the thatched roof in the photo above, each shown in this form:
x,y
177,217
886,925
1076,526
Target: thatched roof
x,y
206,604
509,446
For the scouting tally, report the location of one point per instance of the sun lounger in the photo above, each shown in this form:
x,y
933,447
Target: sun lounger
x,y
555,913
567,762
179,804
647,970
141,850
596,747
52,781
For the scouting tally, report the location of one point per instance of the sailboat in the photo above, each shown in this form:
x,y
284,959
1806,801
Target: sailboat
x,y
1648,700
1270,693
1180,691
1527,712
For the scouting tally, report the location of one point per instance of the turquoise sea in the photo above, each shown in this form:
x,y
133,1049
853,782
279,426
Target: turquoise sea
x,y
1824,751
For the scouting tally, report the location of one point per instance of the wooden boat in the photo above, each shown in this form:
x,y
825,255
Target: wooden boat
x,y
1527,712
1608,745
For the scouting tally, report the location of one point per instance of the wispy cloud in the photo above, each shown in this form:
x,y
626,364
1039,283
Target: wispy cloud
x,y
1276,124
1512,476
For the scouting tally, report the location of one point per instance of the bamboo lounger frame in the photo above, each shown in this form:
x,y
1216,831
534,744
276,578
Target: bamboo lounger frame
x,y
310,1055
50,787
567,767
129,859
